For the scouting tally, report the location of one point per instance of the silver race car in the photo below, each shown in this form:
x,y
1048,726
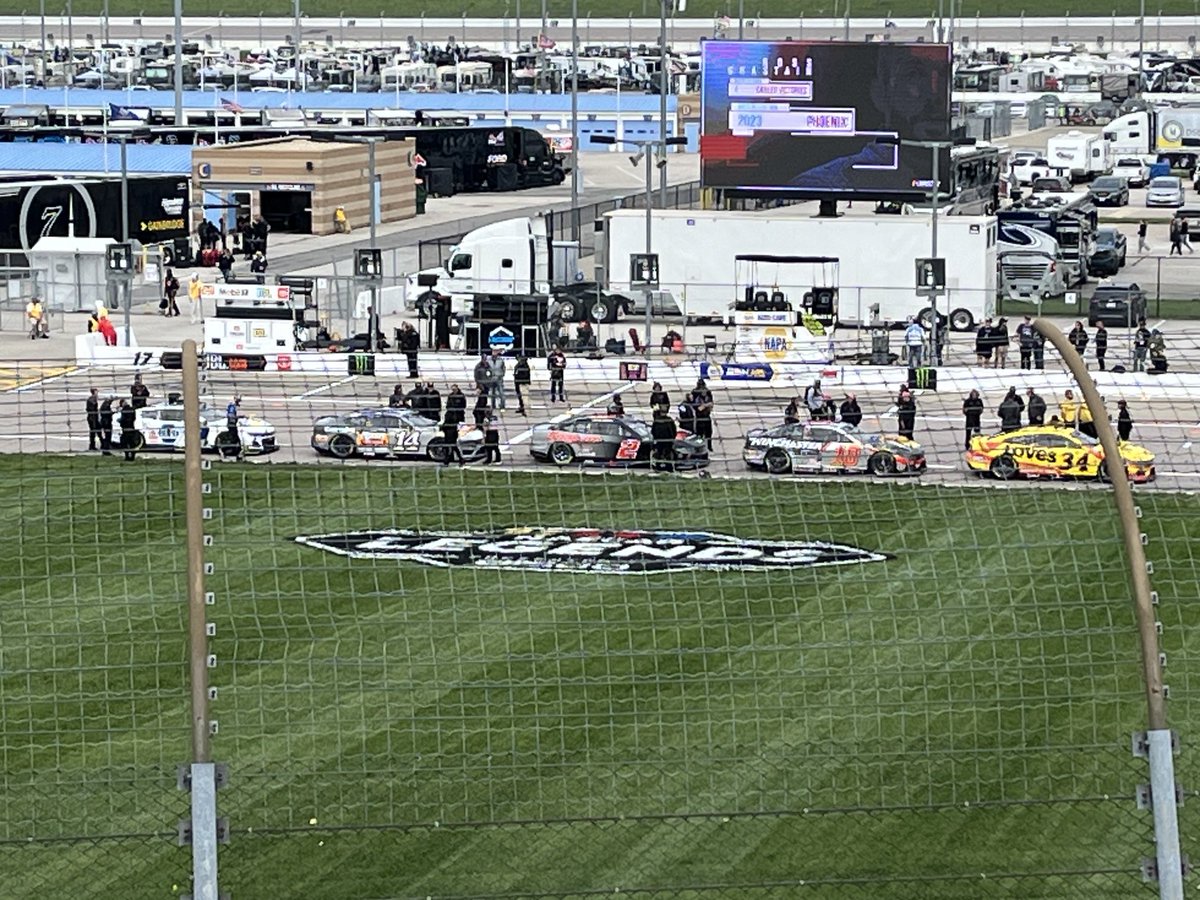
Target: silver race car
x,y
387,432
831,447
611,441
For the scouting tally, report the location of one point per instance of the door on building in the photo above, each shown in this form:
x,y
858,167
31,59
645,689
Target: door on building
x,y
287,211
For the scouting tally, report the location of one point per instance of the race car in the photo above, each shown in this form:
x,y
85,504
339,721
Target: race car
x,y
388,432
1052,451
611,441
831,447
161,428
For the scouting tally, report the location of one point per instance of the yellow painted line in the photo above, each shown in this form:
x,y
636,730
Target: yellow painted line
x,y
14,378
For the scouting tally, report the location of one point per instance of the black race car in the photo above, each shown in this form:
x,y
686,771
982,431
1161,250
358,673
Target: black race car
x,y
610,440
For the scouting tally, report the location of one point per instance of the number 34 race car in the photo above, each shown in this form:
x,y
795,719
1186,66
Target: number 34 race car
x,y
1055,452
831,447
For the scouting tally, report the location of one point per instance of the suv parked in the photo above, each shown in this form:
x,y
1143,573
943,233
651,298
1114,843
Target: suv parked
x,y
1117,304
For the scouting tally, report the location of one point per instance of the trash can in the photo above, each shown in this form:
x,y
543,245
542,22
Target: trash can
x,y
881,350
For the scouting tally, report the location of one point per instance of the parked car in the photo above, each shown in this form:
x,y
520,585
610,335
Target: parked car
x,y
1120,304
1108,256
1109,190
1135,171
1051,184
1029,169
1165,190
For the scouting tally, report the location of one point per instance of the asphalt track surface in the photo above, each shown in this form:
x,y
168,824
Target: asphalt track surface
x,y
47,416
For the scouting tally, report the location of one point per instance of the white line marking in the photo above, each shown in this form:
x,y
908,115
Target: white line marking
x,y
325,387
574,411
40,382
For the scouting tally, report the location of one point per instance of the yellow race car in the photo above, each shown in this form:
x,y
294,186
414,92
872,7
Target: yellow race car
x,y
1052,451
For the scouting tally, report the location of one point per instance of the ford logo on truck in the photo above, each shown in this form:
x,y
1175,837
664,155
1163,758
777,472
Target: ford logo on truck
x,y
601,551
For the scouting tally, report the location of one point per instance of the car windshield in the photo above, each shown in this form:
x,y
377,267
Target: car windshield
x,y
1105,238
1128,164
640,428
1105,184
1164,183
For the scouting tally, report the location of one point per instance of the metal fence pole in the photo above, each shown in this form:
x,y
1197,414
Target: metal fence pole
x,y
203,772
1162,764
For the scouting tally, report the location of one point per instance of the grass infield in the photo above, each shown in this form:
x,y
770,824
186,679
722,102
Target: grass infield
x,y
951,722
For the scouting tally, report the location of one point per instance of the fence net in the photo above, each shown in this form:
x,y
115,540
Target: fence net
x,y
718,671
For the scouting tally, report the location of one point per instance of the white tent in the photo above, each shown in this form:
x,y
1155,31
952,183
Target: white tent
x,y
69,272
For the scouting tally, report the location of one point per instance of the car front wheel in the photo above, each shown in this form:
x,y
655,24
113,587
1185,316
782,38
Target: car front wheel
x,y
882,464
341,446
777,461
561,454
1004,468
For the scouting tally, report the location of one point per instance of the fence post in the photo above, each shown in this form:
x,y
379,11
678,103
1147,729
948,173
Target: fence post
x,y
1158,741
1158,286
203,773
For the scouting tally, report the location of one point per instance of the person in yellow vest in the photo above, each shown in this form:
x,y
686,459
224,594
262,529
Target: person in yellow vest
x,y
197,312
35,312
340,223
1068,410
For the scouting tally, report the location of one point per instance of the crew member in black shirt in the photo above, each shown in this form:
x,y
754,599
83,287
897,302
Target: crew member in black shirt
x,y
973,417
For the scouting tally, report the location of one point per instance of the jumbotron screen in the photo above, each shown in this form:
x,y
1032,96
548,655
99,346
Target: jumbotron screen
x,y
808,117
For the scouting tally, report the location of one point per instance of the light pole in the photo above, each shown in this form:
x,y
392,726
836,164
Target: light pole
x,y
663,84
179,63
645,152
1141,47
575,120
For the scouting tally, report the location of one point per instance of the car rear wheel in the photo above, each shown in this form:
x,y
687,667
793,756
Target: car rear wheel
x,y
224,441
341,446
882,464
777,461
561,454
568,310
437,451
1004,467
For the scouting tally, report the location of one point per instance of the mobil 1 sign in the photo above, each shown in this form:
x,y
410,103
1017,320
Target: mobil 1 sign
x,y
599,551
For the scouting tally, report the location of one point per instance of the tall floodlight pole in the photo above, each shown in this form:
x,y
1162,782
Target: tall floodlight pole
x,y
296,23
127,299
663,85
741,19
575,119
1141,47
941,33
42,7
178,63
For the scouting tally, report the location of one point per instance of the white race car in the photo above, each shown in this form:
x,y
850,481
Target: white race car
x,y
161,428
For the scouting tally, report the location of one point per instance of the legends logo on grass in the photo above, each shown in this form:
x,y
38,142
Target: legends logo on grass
x,y
588,550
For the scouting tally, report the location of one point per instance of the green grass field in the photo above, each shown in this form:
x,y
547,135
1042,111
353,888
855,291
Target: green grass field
x,y
560,9
1162,308
951,722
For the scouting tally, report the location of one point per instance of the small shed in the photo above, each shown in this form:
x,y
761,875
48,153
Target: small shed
x,y
69,273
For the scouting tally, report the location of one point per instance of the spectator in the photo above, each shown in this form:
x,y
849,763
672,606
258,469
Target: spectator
x,y
225,263
456,406
972,408
258,264
1176,239
170,291
1101,344
1000,341
850,411
914,342
1078,338
1143,246
194,292
1185,237
341,224
556,362
1026,339
983,343
1158,352
1009,411
1141,346
701,400
1124,421
522,378
1036,407
92,408
906,414
498,370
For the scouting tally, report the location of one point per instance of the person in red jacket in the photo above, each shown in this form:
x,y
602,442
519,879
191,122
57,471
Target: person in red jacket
x,y
107,331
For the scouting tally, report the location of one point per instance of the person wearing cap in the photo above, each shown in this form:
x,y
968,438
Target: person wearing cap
x,y
850,411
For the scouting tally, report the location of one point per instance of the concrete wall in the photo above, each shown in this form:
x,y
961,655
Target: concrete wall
x,y
338,173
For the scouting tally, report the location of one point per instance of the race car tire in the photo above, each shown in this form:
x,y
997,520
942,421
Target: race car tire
x,y
341,446
881,464
777,461
561,454
437,451
1004,467
1102,473
136,441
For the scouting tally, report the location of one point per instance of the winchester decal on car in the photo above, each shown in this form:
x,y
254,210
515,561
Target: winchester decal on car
x,y
588,550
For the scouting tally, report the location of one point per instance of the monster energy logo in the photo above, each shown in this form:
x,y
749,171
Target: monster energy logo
x,y
362,363
923,377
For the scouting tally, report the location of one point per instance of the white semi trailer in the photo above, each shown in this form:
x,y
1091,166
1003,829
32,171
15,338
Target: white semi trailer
x,y
870,261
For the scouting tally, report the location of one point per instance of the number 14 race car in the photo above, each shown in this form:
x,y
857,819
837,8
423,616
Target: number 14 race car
x,y
831,447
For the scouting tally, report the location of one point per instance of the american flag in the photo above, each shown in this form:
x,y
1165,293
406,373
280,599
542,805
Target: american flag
x,y
545,42
231,105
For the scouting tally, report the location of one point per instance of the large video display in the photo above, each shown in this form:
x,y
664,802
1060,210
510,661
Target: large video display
x,y
807,117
